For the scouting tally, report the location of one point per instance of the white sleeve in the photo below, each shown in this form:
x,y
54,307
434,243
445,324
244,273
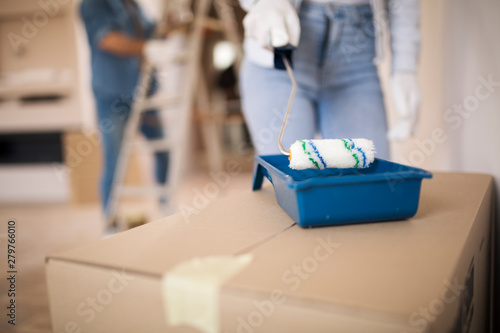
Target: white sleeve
x,y
246,4
404,17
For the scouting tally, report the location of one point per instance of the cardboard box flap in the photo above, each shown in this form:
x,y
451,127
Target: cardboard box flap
x,y
393,267
221,228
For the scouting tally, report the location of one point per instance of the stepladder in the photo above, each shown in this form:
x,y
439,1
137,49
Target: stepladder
x,y
191,91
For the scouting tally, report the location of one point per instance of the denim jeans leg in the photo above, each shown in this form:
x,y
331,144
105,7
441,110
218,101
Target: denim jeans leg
x,y
355,111
351,103
152,129
112,114
265,93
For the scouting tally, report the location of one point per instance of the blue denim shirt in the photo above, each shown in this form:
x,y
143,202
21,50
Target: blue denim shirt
x,y
112,74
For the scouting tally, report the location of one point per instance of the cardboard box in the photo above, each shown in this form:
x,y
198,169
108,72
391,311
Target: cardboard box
x,y
426,274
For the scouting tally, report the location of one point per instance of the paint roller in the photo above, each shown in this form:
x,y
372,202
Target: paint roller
x,y
319,154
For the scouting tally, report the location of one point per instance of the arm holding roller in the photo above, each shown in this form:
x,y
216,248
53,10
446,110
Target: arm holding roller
x,y
405,44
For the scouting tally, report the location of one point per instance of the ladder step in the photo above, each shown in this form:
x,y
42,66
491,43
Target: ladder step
x,y
155,145
143,191
158,102
213,24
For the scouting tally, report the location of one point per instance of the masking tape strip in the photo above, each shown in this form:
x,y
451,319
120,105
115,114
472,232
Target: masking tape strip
x,y
191,290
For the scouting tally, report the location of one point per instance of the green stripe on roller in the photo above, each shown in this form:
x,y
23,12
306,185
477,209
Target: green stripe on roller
x,y
353,154
308,153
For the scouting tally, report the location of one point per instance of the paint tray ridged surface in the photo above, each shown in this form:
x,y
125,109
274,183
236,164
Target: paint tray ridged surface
x,y
382,192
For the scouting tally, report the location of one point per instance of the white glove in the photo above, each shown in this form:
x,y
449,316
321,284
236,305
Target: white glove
x,y
163,51
406,95
273,23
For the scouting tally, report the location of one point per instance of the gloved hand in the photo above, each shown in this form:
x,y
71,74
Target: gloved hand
x,y
406,95
163,51
273,23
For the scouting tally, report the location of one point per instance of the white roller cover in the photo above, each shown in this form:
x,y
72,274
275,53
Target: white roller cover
x,y
331,153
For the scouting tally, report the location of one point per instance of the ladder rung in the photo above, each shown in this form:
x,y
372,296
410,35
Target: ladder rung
x,y
158,102
155,145
174,60
142,191
213,24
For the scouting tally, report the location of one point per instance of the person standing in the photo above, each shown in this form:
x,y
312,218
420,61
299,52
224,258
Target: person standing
x,y
120,39
338,44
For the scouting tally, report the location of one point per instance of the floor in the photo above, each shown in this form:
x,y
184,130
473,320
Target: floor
x,y
42,229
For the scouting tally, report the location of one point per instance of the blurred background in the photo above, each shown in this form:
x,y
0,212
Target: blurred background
x,y
50,145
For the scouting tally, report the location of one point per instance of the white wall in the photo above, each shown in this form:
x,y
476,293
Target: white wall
x,y
473,53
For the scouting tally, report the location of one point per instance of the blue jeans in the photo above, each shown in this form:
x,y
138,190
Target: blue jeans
x,y
338,94
113,113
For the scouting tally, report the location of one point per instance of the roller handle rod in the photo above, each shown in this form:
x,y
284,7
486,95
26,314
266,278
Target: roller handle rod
x,y
283,61
289,106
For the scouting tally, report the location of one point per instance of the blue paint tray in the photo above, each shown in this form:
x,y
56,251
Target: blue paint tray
x,y
382,192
